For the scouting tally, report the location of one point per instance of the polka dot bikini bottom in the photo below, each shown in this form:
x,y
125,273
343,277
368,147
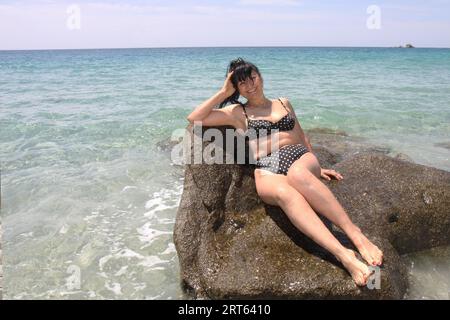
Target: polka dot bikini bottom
x,y
281,160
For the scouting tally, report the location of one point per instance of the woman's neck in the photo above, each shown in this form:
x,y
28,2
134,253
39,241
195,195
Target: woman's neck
x,y
257,101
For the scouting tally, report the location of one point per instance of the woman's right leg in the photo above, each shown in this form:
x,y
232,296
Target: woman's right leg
x,y
274,189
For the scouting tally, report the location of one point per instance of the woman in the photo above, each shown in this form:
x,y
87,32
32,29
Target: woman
x,y
288,177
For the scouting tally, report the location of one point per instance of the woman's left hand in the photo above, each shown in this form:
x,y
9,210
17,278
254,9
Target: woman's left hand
x,y
327,174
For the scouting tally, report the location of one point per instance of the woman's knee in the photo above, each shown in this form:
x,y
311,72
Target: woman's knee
x,y
313,164
274,189
283,193
274,193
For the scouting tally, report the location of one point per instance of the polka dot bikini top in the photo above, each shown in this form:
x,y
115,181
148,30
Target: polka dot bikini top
x,y
286,123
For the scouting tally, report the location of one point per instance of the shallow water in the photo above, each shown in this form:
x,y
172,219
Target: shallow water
x,y
89,200
429,274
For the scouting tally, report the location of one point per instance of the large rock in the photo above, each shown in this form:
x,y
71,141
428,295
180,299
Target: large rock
x,y
232,245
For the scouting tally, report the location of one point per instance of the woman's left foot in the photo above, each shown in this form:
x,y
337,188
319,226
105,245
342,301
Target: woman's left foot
x,y
370,252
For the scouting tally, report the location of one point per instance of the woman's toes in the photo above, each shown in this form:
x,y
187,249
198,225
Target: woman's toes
x,y
370,259
380,260
359,271
367,276
364,278
361,282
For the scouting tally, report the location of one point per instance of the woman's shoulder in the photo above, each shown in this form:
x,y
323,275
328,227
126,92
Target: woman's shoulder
x,y
234,108
285,101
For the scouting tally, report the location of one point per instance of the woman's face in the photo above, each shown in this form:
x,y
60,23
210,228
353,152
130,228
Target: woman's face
x,y
251,87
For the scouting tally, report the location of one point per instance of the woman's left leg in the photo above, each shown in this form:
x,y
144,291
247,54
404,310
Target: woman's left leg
x,y
304,176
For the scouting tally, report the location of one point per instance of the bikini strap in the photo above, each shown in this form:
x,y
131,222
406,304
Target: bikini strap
x,y
284,105
243,107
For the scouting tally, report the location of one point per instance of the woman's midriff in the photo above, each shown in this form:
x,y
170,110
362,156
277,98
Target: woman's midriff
x,y
266,145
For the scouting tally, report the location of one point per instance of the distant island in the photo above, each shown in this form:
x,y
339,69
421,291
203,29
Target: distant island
x,y
407,46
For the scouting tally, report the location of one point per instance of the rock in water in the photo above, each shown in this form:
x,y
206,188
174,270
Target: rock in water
x,y
232,245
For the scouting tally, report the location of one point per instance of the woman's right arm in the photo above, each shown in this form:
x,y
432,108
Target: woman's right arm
x,y
209,116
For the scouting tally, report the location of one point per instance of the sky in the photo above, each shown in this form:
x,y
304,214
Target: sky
x,y
47,24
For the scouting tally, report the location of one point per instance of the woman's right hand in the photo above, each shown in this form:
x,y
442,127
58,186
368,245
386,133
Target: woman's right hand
x,y
228,88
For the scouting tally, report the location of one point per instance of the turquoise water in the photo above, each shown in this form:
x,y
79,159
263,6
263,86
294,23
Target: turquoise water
x,y
85,187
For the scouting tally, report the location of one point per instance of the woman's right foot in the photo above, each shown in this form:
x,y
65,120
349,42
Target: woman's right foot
x,y
359,271
369,252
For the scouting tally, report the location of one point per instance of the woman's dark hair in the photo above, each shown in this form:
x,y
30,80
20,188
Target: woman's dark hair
x,y
242,70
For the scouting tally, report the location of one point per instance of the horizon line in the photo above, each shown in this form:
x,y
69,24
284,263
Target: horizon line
x,y
210,47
